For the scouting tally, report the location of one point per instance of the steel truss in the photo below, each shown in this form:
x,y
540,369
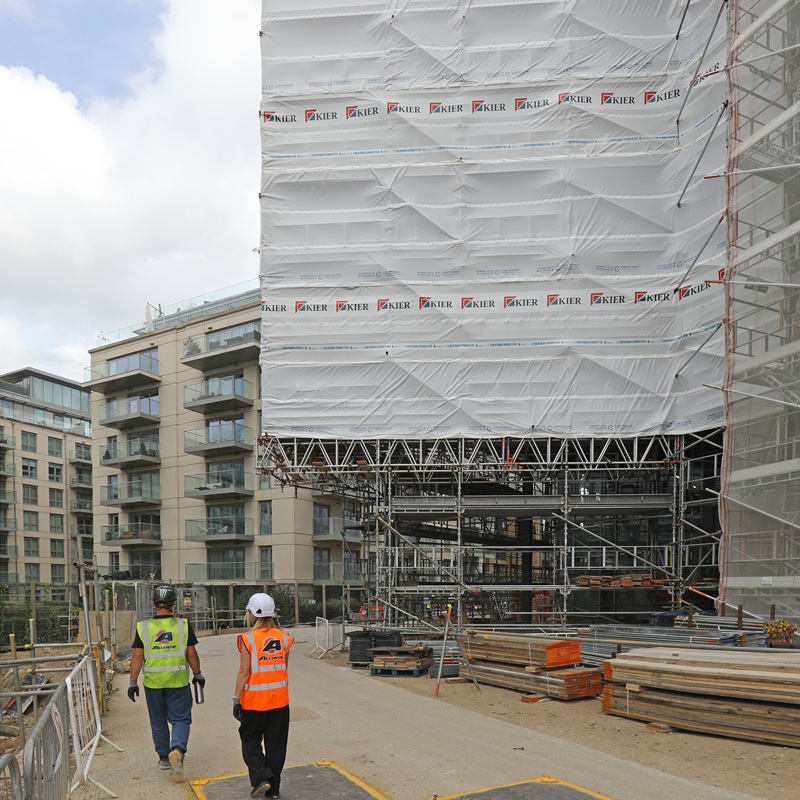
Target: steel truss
x,y
521,530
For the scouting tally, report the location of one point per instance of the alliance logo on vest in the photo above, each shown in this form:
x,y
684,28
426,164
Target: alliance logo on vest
x,y
270,646
164,638
304,305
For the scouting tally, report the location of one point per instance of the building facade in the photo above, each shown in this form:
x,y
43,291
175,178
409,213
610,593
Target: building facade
x,y
45,478
176,410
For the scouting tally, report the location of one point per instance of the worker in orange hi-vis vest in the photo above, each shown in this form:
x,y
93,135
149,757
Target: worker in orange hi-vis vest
x,y
261,696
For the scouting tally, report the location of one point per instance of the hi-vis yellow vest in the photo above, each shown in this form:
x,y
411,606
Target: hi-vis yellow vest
x,y
267,686
164,639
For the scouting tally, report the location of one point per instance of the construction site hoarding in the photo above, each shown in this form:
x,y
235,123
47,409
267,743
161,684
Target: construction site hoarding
x,y
760,508
492,220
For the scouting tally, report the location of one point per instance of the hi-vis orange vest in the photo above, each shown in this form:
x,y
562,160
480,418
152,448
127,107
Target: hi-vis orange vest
x,y
268,684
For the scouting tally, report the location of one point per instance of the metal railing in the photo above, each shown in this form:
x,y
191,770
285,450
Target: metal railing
x,y
10,778
46,757
327,635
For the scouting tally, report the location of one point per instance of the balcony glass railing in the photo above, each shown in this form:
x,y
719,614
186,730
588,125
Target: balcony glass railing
x,y
135,490
8,550
114,451
83,530
82,481
8,523
7,469
129,407
333,572
224,434
232,337
133,530
81,454
219,526
7,496
82,505
230,571
222,479
215,388
8,441
137,362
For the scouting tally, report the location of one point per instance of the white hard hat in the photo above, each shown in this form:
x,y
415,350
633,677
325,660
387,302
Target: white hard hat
x,y
261,605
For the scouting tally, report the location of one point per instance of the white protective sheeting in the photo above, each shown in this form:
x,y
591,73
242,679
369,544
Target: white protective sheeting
x,y
470,221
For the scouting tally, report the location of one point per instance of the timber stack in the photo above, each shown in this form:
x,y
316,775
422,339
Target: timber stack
x,y
748,695
535,665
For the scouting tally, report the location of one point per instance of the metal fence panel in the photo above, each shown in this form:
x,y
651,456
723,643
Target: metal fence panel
x,y
327,635
45,760
10,778
84,717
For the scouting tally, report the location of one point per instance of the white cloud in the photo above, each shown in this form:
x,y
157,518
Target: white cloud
x,y
148,199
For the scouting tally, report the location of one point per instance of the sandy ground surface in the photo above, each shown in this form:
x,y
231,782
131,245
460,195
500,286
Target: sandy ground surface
x,y
759,769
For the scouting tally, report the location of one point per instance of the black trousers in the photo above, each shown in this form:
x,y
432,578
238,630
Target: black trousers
x,y
264,736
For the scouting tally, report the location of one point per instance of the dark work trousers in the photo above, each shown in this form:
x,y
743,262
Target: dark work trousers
x,y
264,735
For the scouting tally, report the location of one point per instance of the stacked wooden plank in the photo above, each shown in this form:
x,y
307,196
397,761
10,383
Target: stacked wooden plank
x,y
748,695
630,581
535,665
394,660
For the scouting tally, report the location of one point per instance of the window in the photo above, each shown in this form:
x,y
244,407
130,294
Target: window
x,y
322,564
30,520
54,473
83,451
31,545
265,481
56,523
143,565
29,468
265,524
31,572
226,563
113,562
30,494
28,442
57,573
56,498
265,563
147,361
56,548
54,447
322,524
226,430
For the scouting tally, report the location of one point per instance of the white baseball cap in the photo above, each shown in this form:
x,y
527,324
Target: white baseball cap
x,y
261,605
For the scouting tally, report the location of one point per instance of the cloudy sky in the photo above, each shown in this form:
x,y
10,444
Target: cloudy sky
x,y
129,166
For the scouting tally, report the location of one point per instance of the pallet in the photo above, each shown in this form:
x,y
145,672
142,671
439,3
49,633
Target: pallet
x,y
358,664
399,673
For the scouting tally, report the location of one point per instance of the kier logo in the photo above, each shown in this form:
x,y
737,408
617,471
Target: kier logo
x,y
444,108
345,305
481,106
274,116
429,302
658,97
609,98
471,302
600,298
312,115
386,304
304,305
647,297
558,300
524,104
265,306
399,108
569,97
354,112
512,301
690,291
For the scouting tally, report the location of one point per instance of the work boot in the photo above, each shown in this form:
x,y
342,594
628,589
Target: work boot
x,y
163,762
176,763
259,789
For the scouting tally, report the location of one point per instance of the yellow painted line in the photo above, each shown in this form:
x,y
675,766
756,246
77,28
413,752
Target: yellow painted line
x,y
544,779
200,782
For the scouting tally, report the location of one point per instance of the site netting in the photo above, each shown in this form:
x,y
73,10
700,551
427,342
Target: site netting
x,y
492,219
761,494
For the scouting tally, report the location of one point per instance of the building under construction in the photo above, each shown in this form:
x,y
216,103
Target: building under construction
x,y
530,296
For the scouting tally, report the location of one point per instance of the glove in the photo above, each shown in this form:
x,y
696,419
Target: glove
x,y
133,691
200,680
237,711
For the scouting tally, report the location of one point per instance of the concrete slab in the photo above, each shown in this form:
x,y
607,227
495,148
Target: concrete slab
x,y
323,779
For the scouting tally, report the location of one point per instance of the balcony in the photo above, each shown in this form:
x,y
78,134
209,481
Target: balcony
x,y
225,439
81,505
131,454
132,534
8,524
332,574
83,530
138,370
332,532
223,348
81,482
233,571
220,529
81,455
7,469
8,550
132,412
7,442
215,485
9,578
6,498
126,495
218,394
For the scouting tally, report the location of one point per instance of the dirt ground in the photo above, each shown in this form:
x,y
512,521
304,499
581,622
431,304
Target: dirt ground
x,y
760,769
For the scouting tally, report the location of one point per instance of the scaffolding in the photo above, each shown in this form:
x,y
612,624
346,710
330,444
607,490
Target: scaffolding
x,y
535,531
760,498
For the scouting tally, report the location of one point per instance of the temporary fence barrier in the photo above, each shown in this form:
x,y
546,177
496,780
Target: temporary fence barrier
x,y
10,778
84,720
327,635
45,759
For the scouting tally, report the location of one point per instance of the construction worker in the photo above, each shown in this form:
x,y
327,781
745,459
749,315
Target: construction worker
x,y
164,650
261,696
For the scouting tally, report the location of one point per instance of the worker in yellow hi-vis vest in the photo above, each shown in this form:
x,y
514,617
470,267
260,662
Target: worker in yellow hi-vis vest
x,y
164,651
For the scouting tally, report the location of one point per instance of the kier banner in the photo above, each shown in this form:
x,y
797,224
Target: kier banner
x,y
470,218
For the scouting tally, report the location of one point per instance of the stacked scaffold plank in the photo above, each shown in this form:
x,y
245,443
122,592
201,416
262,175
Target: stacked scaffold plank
x,y
535,665
748,695
629,581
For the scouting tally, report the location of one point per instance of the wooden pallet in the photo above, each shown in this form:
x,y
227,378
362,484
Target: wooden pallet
x,y
396,672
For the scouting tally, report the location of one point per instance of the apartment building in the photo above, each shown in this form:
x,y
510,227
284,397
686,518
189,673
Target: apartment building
x,y
45,477
176,410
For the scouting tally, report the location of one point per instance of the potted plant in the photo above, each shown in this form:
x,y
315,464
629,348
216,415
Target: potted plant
x,y
190,347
